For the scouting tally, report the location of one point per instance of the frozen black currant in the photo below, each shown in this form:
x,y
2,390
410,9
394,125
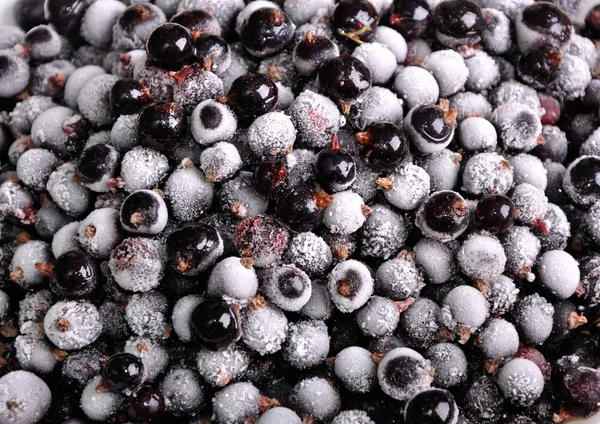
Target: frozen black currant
x,y
128,97
312,52
270,177
75,274
435,406
592,23
66,15
192,248
198,21
542,23
444,216
539,66
267,31
252,94
147,406
383,146
354,20
582,182
495,213
430,127
212,51
215,325
29,13
97,165
170,46
301,208
580,390
458,22
411,18
162,126
124,372
144,212
335,167
344,79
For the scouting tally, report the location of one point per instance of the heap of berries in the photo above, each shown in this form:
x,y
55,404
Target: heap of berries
x,y
299,212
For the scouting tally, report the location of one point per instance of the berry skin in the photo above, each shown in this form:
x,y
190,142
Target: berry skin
x,y
581,180
403,373
252,94
580,390
97,165
495,213
444,216
430,127
539,66
124,371
301,208
344,78
147,406
458,22
354,20
270,177
129,97
213,52
335,167
170,46
267,31
144,212
75,274
592,23
162,126
66,15
198,21
411,18
383,146
542,23
433,406
192,248
312,52
288,287
215,326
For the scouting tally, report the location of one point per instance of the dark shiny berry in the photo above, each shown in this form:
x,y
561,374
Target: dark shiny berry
x,y
354,20
252,94
162,126
434,406
459,19
311,52
267,31
170,46
335,167
539,66
215,325
193,248
66,15
140,210
585,176
344,78
291,284
29,13
580,391
432,123
446,212
592,23
129,97
383,146
135,15
212,52
301,208
548,19
198,21
495,213
97,162
411,18
75,274
270,177
147,406
124,371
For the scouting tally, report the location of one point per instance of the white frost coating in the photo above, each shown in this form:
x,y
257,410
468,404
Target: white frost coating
x,y
449,69
436,259
99,405
272,134
378,318
353,416
477,134
181,317
220,162
481,257
301,12
153,354
307,344
496,36
183,391
464,308
383,233
25,258
35,354
249,9
378,104
70,196
272,288
521,381
188,193
47,129
518,126
265,328
499,340
100,232
470,104
358,276
443,168
398,278
279,414
380,61
585,49
76,82
235,403
137,264
591,146
418,50
531,203
345,214
450,364
529,169
410,187
522,248
93,99
501,294
310,253
29,392
285,96
558,272
72,325
533,317
124,133
219,368
319,306
98,22
143,168
240,197
423,373
35,166
316,119
573,77
231,280
392,39
146,314
224,10
483,71
356,369
318,398
526,37
416,86
509,7
487,173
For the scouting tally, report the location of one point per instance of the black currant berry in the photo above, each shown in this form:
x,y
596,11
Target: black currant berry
x,y
215,325
198,21
270,177
383,146
29,13
592,23
97,164
495,213
144,212
123,371
539,66
435,406
311,52
170,46
344,78
580,391
335,167
75,274
129,97
411,18
432,123
585,176
212,52
548,19
267,31
193,248
302,207
354,20
458,22
444,216
252,94
147,406
66,15
162,126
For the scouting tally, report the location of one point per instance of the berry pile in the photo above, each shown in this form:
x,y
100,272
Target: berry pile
x,y
299,212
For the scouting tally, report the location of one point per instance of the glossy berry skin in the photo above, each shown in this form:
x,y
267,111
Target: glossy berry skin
x,y
192,248
212,51
383,146
495,213
270,177
300,209
252,94
123,371
548,19
170,46
354,20
75,274
198,21
585,176
434,406
147,406
335,168
592,23
162,126
430,122
444,214
95,163
267,31
458,20
411,18
344,78
215,326
539,66
129,97
66,15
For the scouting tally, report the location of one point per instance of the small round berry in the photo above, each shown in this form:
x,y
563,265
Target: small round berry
x,y
14,74
436,260
354,20
344,78
233,278
450,364
542,23
499,340
97,165
301,208
495,213
183,391
193,248
407,188
533,317
580,180
481,257
433,406
72,325
558,273
25,397
411,18
430,127
162,126
145,169
213,52
522,248
379,59
403,372
123,372
271,135
188,192
307,344
580,390
137,264
496,36
449,69
265,327
383,234
464,310
278,415
356,369
416,86
487,173
399,278
170,46
308,390
270,177
420,323
128,97
350,285
215,325
458,22
312,52
316,119
146,406
287,287
267,31
383,146
379,317
444,216
521,382
261,238
539,66
75,274
252,95
144,212
335,167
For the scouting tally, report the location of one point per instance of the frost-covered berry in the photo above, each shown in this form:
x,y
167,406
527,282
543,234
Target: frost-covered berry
x,y
379,317
416,86
580,180
98,20
144,212
407,188
278,415
310,253
287,287
137,264
188,193
146,314
379,59
496,35
153,354
307,344
403,373
319,306
100,232
383,234
498,340
378,104
555,174
399,278
450,364
220,162
72,325
533,317
49,218
477,134
34,168
316,119
271,135
430,127
354,416
31,264
521,382
530,202
487,173
76,82
518,125
98,404
558,273
80,367
483,71
97,165
573,78
483,399
346,214
17,202
471,104
212,121
24,398
436,259
240,197
522,248
317,398
420,323
220,368
35,354
24,113
134,26
183,391
464,310
265,327
181,317
356,369
449,69
233,279
481,257
555,145
143,168
235,403
66,192
501,294
444,216
350,285
312,52
93,99
60,130
443,168
529,169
